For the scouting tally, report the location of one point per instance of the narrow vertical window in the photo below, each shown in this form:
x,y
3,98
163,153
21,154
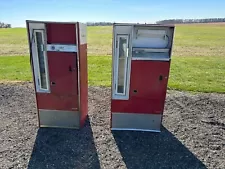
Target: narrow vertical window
x,y
122,56
41,59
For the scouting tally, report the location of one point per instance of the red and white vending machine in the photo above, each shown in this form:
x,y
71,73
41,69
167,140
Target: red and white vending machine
x,y
141,64
58,57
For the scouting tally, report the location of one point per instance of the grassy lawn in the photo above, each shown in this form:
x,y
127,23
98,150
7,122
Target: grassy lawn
x,y
203,74
13,42
198,62
190,40
15,68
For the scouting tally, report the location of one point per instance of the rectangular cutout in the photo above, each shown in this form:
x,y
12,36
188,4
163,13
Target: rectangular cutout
x,y
151,33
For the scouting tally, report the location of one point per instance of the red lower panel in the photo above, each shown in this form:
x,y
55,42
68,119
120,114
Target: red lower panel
x,y
148,85
137,105
61,33
149,79
57,102
63,72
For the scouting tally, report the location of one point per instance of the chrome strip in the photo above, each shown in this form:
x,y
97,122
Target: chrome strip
x,y
60,22
130,129
149,58
59,127
61,48
59,118
78,64
136,121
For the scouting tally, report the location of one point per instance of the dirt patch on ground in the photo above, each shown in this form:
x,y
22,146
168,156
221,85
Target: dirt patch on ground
x,y
193,135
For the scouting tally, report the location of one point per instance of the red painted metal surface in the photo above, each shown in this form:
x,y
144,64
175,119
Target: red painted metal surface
x,y
147,92
61,33
63,71
83,83
49,101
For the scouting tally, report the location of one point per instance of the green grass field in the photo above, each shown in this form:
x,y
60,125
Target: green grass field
x,y
198,61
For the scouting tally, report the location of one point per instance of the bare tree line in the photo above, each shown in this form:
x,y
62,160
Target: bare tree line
x,y
178,21
99,23
167,21
5,25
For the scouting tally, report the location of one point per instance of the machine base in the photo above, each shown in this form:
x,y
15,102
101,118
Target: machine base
x,y
136,122
59,119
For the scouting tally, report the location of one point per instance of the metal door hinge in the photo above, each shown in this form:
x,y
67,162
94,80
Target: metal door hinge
x,y
43,47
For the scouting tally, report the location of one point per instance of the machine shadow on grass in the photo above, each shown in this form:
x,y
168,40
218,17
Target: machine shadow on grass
x,y
144,150
64,148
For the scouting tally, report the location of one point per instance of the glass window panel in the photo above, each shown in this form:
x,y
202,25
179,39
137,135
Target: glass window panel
x,y
122,65
41,60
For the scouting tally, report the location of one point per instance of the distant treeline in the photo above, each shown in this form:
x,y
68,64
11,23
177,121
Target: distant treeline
x,y
177,21
167,21
99,23
5,25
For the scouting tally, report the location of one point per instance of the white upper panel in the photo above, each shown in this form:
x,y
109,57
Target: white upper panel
x,y
148,42
150,38
150,33
83,33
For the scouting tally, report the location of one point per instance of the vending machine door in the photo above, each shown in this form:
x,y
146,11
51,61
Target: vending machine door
x,y
54,59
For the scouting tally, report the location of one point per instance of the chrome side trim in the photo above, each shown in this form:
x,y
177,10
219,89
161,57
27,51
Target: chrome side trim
x,y
47,21
156,131
78,62
46,126
135,121
149,58
144,25
59,118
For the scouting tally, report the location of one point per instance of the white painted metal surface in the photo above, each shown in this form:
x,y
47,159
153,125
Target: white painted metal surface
x,y
151,33
83,33
117,32
61,48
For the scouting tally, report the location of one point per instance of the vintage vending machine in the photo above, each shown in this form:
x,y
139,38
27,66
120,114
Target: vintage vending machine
x,y
58,57
141,64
